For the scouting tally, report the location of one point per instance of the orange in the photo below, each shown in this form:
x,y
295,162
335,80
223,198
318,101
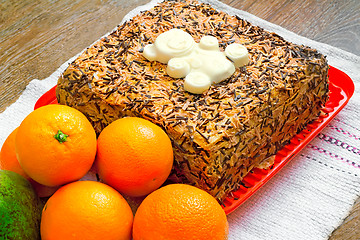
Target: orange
x,y
55,145
9,161
179,211
134,156
86,210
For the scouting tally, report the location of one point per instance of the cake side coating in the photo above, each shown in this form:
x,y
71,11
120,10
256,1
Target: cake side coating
x,y
220,135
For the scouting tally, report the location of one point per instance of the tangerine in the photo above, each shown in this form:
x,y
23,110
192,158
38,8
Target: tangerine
x,y
179,212
134,156
86,210
55,145
9,161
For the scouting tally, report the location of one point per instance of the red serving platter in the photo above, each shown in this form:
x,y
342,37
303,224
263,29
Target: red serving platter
x,y
341,89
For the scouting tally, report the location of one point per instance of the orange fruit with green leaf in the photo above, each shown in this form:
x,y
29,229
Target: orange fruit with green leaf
x,y
9,161
55,145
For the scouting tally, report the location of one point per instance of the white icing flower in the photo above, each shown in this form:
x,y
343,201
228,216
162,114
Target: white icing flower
x,y
201,64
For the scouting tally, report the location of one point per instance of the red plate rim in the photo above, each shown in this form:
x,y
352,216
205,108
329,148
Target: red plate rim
x,y
341,89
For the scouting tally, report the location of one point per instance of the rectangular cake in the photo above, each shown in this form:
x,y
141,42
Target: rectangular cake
x,y
220,135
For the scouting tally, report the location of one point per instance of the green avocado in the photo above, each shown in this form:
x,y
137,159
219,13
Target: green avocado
x,y
20,208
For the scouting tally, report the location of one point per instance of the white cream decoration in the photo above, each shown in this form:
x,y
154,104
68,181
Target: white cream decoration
x,y
201,64
197,82
178,68
209,43
170,44
238,54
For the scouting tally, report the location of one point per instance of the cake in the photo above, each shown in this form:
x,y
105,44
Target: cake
x,y
222,134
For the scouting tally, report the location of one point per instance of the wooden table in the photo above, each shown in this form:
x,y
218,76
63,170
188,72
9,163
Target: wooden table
x,y
36,37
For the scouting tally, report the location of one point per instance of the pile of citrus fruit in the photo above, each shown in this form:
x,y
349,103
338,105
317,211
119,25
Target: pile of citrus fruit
x,y
55,146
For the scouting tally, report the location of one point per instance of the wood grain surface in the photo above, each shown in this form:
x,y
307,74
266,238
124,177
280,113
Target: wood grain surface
x,y
36,37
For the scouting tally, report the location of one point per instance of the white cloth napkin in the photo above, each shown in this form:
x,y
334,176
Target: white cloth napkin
x,y
308,198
